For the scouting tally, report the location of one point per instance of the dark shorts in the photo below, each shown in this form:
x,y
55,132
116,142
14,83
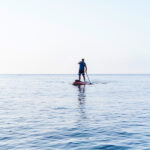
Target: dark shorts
x,y
81,72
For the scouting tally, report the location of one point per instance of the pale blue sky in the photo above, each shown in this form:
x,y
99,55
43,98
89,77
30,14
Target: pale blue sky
x,y
51,36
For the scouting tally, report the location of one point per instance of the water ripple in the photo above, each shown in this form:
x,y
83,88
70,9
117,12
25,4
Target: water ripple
x,y
45,112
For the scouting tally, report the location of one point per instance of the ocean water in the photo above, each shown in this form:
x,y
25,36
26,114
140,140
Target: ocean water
x,y
46,112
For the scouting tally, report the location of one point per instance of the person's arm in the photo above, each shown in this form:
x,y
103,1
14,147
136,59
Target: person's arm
x,y
79,62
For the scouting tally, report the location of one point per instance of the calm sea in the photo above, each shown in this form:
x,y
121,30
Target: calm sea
x,y
46,112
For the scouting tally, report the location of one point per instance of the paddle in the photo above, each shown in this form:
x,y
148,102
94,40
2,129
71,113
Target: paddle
x,y
88,78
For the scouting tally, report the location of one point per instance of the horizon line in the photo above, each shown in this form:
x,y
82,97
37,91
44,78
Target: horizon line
x,y
74,73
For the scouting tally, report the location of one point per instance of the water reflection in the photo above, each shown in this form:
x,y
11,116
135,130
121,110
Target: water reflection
x,y
81,95
82,101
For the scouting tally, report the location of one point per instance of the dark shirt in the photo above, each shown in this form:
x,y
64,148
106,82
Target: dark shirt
x,y
82,65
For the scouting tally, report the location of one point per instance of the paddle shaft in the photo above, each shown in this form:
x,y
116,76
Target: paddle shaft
x,y
88,78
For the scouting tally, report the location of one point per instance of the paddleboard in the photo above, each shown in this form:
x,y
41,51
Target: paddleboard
x,y
77,82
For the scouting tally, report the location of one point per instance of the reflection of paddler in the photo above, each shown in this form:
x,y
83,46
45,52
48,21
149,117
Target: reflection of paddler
x,y
82,101
81,95
81,88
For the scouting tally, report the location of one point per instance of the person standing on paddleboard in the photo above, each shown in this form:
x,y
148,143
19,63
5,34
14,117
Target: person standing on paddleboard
x,y
82,69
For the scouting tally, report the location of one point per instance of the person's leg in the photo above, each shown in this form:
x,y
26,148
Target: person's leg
x,y
79,77
83,77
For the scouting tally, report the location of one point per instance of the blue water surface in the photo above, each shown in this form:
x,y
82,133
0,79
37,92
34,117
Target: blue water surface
x,y
46,112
